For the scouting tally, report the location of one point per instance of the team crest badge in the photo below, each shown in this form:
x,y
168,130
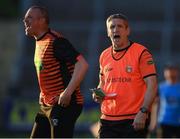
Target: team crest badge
x,y
128,69
150,62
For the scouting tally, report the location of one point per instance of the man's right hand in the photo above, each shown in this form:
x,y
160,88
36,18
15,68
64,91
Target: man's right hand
x,y
97,98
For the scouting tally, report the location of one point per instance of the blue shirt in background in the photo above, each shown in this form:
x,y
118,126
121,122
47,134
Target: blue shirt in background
x,y
169,110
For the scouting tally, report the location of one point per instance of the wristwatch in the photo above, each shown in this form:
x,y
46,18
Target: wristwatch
x,y
144,110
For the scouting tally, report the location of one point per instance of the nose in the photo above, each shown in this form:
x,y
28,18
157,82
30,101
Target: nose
x,y
115,29
24,20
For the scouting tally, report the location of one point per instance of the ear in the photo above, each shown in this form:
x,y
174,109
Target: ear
x,y
108,34
128,31
43,20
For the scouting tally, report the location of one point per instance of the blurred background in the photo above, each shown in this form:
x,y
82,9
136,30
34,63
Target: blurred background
x,y
154,23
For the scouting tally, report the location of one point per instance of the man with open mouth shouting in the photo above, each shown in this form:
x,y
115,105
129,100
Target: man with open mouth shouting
x,y
127,70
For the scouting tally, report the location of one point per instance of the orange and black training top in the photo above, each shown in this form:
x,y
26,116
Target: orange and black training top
x,y
55,59
123,72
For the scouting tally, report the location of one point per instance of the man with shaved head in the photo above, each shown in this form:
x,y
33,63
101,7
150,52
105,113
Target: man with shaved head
x,y
60,70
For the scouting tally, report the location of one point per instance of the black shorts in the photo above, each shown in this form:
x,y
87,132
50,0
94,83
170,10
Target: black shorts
x,y
56,121
121,129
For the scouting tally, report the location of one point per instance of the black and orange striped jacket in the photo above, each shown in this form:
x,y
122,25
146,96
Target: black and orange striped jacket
x,y
55,59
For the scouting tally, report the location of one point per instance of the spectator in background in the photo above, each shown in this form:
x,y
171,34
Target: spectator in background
x,y
60,70
128,80
168,101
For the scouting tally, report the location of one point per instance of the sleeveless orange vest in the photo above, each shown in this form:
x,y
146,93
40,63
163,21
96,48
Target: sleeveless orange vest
x,y
122,77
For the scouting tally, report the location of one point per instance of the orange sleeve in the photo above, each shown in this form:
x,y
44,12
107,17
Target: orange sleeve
x,y
147,65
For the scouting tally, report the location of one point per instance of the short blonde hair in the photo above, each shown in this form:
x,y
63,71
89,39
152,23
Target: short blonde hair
x,y
118,16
